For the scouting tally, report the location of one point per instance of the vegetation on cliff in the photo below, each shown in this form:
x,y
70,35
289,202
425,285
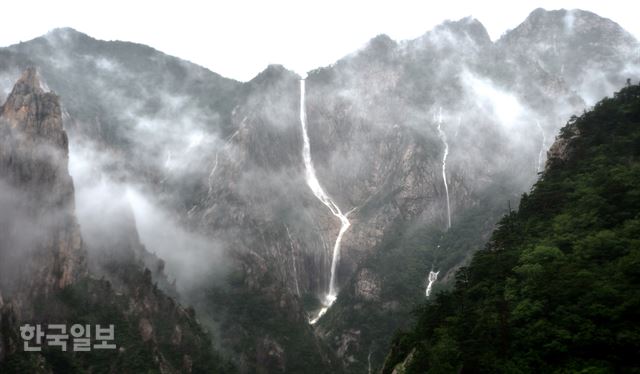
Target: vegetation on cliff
x,y
557,288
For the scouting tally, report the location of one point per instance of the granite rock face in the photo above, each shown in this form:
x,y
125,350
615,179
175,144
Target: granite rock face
x,y
372,119
45,275
41,234
561,148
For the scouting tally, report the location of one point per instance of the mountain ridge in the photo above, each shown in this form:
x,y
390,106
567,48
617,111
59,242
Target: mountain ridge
x,y
221,164
474,24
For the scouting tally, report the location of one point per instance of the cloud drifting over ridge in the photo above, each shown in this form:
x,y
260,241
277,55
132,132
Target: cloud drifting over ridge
x,y
312,44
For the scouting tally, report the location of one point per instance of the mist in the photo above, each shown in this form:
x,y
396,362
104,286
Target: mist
x,y
201,179
191,258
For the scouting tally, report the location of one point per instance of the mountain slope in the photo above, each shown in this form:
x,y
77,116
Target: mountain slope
x,y
556,288
586,50
220,164
499,113
45,273
141,106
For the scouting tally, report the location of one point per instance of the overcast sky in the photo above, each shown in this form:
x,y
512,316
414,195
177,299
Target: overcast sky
x,y
239,38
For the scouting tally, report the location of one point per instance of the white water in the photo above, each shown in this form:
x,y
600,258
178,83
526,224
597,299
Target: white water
x,y
443,137
318,191
213,170
327,304
293,260
433,276
215,164
542,147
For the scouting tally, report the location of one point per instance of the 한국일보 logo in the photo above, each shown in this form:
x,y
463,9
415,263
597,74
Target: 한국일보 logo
x,y
78,338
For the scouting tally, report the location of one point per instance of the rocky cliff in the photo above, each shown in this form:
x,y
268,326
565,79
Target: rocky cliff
x,y
223,161
42,248
45,273
527,303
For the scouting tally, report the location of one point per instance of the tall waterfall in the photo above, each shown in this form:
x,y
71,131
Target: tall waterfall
x,y
318,191
293,261
443,137
542,146
433,276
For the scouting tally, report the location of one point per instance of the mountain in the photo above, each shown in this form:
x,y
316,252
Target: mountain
x,y
556,288
421,144
499,117
111,87
46,278
586,50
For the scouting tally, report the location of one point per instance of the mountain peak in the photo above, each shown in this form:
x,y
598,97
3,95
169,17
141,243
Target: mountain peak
x,y
273,72
380,47
382,41
564,17
66,33
34,111
29,82
64,30
33,160
541,23
469,26
541,13
463,32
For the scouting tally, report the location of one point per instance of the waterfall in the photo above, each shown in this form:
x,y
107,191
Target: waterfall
x,y
293,260
215,164
443,137
433,276
318,191
213,170
542,146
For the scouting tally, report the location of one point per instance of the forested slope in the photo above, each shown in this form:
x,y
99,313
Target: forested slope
x,y
557,288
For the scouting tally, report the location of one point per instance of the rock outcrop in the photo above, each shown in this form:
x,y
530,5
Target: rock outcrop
x,y
560,150
372,128
44,272
42,248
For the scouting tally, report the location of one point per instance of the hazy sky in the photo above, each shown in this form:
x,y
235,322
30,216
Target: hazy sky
x,y
238,38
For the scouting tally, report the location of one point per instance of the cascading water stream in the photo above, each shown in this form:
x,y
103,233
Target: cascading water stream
x,y
215,164
213,171
443,137
542,147
318,191
433,276
293,260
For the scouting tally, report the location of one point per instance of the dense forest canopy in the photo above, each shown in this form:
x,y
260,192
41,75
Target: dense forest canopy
x,y
557,288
